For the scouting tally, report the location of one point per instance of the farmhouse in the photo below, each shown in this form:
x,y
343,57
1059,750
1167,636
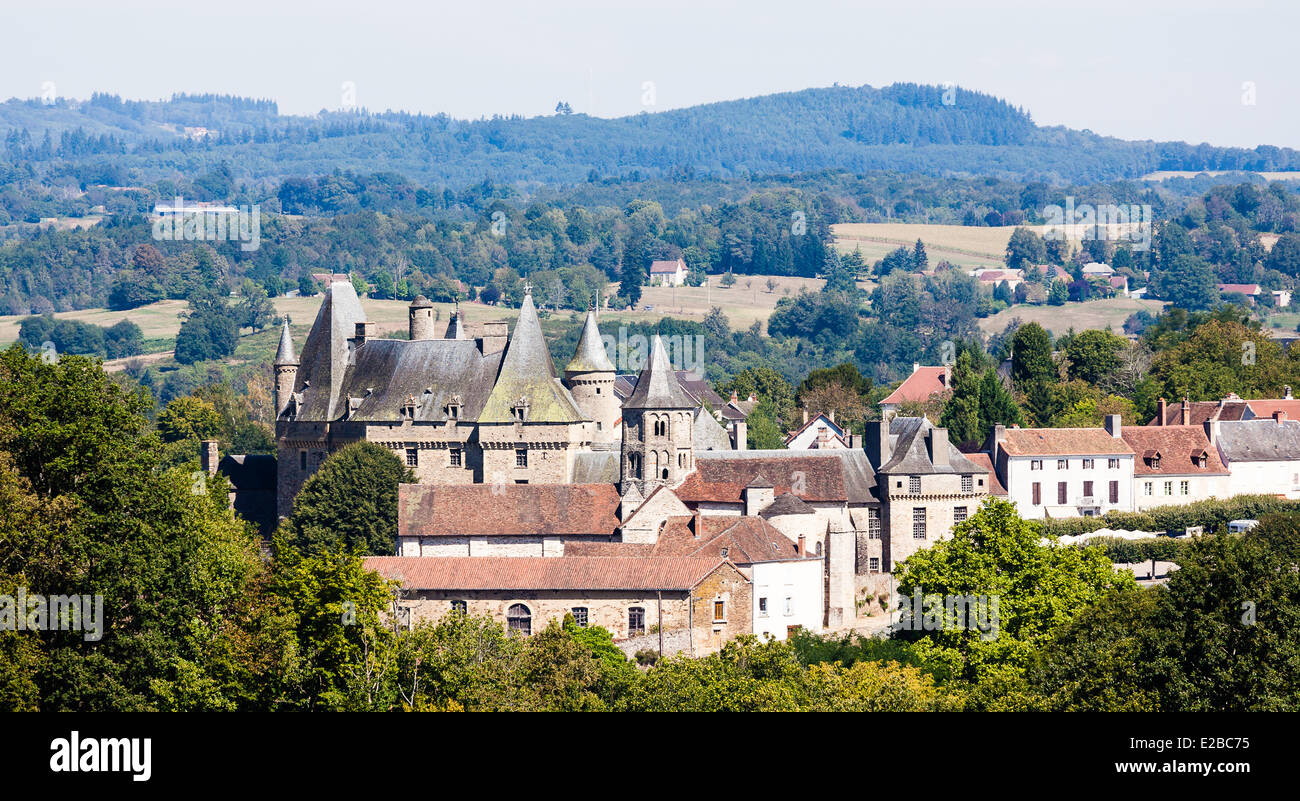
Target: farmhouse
x,y
668,273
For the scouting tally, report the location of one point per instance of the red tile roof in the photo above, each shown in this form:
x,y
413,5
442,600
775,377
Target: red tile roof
x,y
545,572
982,459
1200,411
1265,408
506,509
668,266
1062,442
1177,446
745,539
723,480
1245,289
920,385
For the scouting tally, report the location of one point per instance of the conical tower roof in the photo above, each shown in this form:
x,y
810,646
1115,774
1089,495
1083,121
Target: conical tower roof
x,y
528,373
590,356
284,355
657,386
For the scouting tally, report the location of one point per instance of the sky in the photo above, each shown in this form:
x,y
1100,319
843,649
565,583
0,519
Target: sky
x,y
1222,73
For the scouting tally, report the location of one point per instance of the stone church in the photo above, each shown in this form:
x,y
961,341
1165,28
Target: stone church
x,y
471,405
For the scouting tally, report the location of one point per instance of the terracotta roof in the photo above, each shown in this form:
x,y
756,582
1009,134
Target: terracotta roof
x,y
1177,446
1265,408
545,572
998,275
506,509
982,459
669,266
746,540
1245,289
1062,442
838,475
1200,411
596,548
919,386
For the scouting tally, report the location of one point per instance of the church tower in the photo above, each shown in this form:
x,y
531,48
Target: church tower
x,y
286,370
590,379
658,427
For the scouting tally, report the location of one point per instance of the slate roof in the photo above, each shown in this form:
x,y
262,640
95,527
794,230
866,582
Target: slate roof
x,y
581,573
596,467
325,353
387,372
910,454
787,504
590,355
1177,446
709,433
721,476
919,386
1063,442
1263,440
657,386
527,372
284,354
507,510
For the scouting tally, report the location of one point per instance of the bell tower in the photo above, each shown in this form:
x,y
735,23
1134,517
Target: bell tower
x,y
658,427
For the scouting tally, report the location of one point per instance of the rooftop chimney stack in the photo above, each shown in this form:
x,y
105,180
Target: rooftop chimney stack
x,y
1288,392
1279,416
1186,412
1161,406
1113,425
938,442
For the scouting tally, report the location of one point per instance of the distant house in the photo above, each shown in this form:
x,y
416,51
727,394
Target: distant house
x,y
1281,298
917,388
1095,269
1249,290
992,278
819,433
668,273
1120,284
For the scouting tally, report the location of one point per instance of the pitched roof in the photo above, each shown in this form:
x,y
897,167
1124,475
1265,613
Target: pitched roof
x,y
506,509
708,433
1198,412
1062,442
590,355
528,373
786,504
836,431
596,467
657,386
1263,440
1178,447
721,476
1245,289
985,463
1265,408
666,266
920,385
325,353
579,573
387,373
745,539
909,452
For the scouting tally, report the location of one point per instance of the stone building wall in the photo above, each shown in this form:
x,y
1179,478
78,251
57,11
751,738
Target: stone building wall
x,y
940,497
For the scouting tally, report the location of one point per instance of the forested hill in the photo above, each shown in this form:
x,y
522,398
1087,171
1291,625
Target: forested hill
x,y
903,127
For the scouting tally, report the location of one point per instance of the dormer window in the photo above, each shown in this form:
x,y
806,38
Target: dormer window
x,y
520,410
1200,459
1152,459
408,408
453,408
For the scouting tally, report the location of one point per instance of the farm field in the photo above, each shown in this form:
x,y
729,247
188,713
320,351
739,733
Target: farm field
x,y
1109,313
744,303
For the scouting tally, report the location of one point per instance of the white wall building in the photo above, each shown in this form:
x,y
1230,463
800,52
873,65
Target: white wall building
x,y
1064,472
1263,455
1174,465
668,273
788,595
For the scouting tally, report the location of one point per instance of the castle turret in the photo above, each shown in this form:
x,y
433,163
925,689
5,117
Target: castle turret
x,y
421,318
658,446
590,379
286,369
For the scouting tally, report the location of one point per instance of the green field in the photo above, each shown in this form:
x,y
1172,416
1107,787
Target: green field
x,y
1108,313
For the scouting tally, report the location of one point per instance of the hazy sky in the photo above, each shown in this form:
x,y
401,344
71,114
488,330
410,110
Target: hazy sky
x,y
1138,70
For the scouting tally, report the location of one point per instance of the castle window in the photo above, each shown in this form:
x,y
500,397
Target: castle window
x,y
918,524
597,390
302,460
968,483
459,607
412,457
873,564
519,620
453,411
681,460
873,524
635,621
665,474
520,410
521,457
580,616
958,514
598,425
914,484
634,464
455,457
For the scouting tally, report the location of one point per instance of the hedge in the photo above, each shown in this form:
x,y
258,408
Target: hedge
x,y
1213,515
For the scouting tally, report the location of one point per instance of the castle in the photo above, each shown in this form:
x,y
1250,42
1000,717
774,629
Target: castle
x,y
487,409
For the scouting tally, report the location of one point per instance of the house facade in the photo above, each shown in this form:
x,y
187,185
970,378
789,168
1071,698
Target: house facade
x,y
1064,472
668,273
1174,465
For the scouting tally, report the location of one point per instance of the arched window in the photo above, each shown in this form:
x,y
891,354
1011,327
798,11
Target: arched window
x,y
665,474
519,620
654,462
634,464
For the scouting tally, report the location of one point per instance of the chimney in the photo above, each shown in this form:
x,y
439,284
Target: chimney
x,y
208,456
996,435
1113,425
831,415
1160,412
823,436
1212,431
947,376
801,547
1279,416
855,441
878,442
938,442
364,331
741,435
1287,389
915,366
495,336
695,523
1186,416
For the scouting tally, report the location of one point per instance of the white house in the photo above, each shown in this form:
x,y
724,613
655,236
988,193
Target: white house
x,y
1064,472
1263,455
668,273
788,595
1174,464
819,433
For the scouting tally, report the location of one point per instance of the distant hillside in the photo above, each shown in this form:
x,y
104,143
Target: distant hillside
x,y
904,127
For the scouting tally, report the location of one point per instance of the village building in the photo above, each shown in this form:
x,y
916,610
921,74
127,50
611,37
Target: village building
x,y
1064,472
1174,465
919,387
1262,455
668,273
819,433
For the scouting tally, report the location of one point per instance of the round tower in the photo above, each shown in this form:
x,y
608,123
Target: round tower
x,y
421,319
286,369
589,377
